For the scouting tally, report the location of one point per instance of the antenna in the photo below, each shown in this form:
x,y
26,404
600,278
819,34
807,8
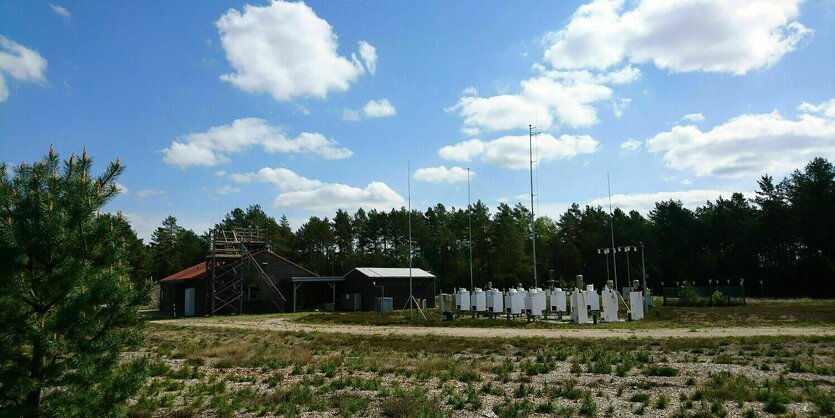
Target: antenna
x,y
533,217
412,299
470,222
612,229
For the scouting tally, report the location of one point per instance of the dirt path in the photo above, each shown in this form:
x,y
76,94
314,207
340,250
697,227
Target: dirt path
x,y
282,324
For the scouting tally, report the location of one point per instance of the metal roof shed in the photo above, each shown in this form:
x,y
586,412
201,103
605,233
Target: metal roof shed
x,y
393,281
330,280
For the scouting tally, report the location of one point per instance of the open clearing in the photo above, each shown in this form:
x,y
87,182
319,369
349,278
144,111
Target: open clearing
x,y
273,323
684,362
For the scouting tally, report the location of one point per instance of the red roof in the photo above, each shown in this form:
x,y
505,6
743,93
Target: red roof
x,y
190,273
198,270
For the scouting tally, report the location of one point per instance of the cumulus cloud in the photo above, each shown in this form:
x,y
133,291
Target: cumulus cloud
x,y
19,63
299,192
61,11
378,109
750,145
373,109
463,151
122,189
513,152
442,174
286,50
544,99
213,146
630,145
679,36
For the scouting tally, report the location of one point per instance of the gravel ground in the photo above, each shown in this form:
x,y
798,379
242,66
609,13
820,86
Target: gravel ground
x,y
282,324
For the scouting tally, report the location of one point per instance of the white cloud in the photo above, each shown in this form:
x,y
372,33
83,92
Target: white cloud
x,y
286,50
378,109
469,91
694,117
299,192
220,173
513,152
751,145
227,189
618,106
368,54
644,202
121,188
351,115
631,145
826,109
373,109
19,63
213,146
543,100
282,178
686,182
627,74
142,194
463,151
61,11
442,174
679,36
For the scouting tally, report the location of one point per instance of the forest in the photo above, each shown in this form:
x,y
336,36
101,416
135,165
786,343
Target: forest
x,y
781,241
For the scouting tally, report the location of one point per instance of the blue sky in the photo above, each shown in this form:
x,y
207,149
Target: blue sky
x,y
308,107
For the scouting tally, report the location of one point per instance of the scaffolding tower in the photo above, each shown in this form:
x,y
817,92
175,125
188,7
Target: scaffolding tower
x,y
230,251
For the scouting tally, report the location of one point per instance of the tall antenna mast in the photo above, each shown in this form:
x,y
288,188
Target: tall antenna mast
x,y
470,221
412,303
533,217
409,180
612,229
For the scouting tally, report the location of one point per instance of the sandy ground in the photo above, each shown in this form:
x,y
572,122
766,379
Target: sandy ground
x,y
283,324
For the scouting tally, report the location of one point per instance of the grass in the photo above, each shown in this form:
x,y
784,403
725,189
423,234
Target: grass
x,y
801,312
665,371
222,372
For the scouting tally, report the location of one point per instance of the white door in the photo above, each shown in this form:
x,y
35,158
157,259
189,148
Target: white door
x,y
189,303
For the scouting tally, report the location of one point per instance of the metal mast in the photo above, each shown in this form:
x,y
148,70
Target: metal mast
x,y
533,217
412,301
612,229
470,222
409,180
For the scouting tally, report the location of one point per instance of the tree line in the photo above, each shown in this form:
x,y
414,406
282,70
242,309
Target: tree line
x,y
780,241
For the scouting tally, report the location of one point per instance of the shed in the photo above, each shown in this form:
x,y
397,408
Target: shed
x,y
393,282
188,292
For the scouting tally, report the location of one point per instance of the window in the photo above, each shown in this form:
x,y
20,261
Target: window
x,y
252,293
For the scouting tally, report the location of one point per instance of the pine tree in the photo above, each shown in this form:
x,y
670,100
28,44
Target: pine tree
x,y
68,307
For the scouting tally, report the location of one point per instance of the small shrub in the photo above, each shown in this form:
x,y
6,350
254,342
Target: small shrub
x,y
588,407
662,402
774,405
513,408
717,299
718,409
665,371
639,397
545,408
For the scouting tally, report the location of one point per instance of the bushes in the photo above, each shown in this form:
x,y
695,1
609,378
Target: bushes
x,y
664,371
